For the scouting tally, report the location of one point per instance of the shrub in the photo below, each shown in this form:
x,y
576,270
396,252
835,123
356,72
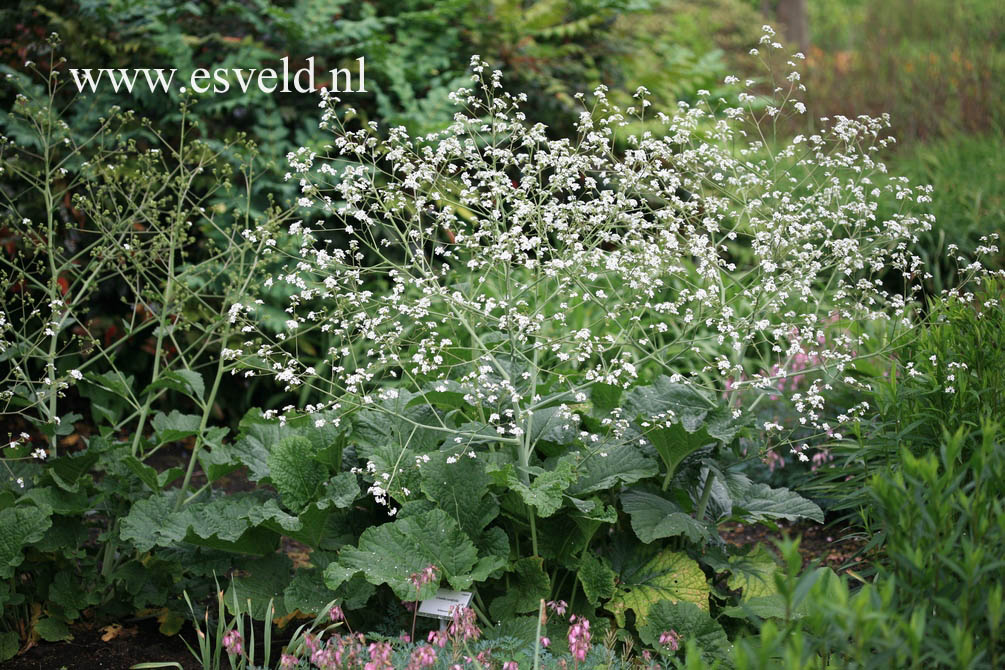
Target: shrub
x,y
936,598
950,374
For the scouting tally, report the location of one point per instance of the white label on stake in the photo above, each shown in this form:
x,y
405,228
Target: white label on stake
x,y
438,607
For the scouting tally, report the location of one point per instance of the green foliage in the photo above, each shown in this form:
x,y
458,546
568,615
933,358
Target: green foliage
x,y
891,56
610,499
951,374
936,598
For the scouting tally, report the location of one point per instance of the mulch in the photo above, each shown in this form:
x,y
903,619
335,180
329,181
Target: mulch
x,y
135,643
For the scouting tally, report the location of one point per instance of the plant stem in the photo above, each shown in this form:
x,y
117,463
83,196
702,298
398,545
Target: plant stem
x,y
207,408
537,636
666,480
705,494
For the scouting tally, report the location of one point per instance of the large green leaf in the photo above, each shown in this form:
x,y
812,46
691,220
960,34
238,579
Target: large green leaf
x,y
759,502
393,422
20,526
605,397
460,488
669,401
646,576
340,491
597,578
175,426
154,480
9,644
307,592
527,586
71,594
605,469
144,525
67,470
390,553
552,424
654,517
256,437
52,629
546,488
675,443
295,473
770,606
753,574
692,624
265,579
228,523
60,501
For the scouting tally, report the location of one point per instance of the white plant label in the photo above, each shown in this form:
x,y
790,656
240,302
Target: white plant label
x,y
438,607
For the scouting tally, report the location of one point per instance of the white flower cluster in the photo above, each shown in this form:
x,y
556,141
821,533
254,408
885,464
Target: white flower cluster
x,y
491,255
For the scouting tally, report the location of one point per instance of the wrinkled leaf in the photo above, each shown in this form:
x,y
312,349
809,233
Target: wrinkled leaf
x,y
390,553
175,426
340,491
528,584
295,473
52,630
597,578
188,382
754,573
691,623
604,470
267,579
461,490
654,517
760,502
647,576
19,526
680,402
546,487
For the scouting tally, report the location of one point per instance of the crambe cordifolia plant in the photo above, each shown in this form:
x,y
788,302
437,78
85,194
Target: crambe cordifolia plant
x,y
511,280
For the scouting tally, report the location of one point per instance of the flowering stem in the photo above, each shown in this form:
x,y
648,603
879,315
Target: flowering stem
x,y
537,636
415,614
168,298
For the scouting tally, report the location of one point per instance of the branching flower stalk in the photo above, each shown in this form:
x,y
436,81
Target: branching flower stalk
x,y
525,274
119,220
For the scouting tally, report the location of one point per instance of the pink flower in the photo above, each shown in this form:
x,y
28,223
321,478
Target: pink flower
x,y
380,656
423,657
287,662
545,642
462,624
670,639
232,643
558,607
510,665
579,637
425,576
336,613
438,637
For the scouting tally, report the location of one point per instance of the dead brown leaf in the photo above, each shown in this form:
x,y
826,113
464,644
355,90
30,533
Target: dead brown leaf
x,y
116,630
